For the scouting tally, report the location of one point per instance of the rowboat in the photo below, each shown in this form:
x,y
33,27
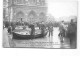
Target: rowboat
x,y
21,34
27,37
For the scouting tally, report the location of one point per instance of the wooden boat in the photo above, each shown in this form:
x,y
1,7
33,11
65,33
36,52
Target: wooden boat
x,y
27,37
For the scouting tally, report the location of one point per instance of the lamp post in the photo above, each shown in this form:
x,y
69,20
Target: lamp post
x,y
10,4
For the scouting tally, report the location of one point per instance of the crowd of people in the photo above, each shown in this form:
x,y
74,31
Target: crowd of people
x,y
69,31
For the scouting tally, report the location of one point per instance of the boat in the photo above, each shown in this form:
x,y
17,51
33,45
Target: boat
x,y
22,34
27,37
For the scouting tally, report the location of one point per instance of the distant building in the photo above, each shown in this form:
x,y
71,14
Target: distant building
x,y
30,11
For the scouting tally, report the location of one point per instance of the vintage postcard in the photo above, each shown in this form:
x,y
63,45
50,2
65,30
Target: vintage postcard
x,y
40,24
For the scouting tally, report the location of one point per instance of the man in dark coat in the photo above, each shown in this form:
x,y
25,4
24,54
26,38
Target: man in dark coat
x,y
72,33
62,31
42,26
50,28
9,29
32,29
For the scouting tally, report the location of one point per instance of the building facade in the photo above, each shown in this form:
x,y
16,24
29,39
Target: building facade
x,y
5,10
30,11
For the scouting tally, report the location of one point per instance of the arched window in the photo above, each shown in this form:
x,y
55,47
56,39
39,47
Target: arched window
x,y
42,16
20,15
32,16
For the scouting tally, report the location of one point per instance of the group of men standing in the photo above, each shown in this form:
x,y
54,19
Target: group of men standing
x,y
66,30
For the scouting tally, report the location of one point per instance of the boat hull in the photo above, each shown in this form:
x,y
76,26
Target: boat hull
x,y
27,37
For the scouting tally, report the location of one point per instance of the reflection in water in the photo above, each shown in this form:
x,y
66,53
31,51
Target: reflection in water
x,y
56,40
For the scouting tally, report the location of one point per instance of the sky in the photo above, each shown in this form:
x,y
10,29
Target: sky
x,y
62,9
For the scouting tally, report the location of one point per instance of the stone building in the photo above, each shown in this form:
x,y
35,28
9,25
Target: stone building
x,y
30,11
5,10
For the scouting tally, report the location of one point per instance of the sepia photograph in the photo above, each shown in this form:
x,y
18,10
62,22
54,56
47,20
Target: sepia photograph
x,y
45,24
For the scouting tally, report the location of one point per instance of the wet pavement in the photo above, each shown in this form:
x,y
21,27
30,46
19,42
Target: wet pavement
x,y
5,38
46,42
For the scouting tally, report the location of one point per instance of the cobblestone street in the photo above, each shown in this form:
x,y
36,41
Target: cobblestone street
x,y
46,42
